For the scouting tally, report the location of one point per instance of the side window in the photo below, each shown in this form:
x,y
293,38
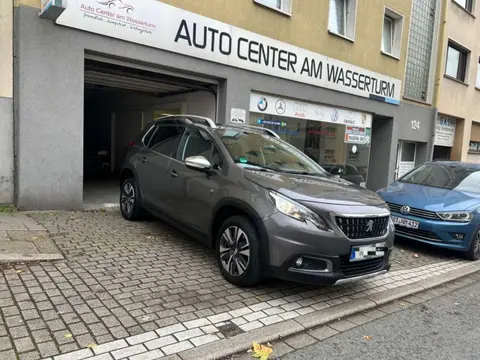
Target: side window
x,y
198,143
166,139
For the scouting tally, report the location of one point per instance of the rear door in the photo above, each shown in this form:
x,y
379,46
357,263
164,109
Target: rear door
x,y
153,163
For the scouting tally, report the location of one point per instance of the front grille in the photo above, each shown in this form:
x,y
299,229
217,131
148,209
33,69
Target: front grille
x,y
363,228
414,212
361,267
417,233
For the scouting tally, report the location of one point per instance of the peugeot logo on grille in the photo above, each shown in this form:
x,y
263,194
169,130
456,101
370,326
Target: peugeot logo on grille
x,y
369,226
405,209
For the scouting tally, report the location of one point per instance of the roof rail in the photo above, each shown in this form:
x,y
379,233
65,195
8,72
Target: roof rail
x,y
193,118
265,130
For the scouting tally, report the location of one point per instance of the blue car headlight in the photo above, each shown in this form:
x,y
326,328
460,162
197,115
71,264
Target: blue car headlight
x,y
456,216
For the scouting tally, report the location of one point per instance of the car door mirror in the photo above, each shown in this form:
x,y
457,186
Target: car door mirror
x,y
198,163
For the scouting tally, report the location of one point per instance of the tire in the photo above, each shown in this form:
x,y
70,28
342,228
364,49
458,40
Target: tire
x,y
130,202
473,252
229,251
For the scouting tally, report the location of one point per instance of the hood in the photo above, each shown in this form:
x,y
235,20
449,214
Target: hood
x,y
315,189
429,198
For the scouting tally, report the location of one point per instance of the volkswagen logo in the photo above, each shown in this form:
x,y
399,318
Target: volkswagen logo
x,y
405,209
262,104
334,115
280,106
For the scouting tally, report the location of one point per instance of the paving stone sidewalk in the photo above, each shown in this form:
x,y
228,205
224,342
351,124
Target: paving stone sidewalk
x,y
23,239
144,291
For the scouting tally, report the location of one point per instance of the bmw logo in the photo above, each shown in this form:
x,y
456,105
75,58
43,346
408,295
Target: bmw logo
x,y
262,104
405,210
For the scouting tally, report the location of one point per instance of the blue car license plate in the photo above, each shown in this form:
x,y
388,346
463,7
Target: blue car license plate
x,y
364,252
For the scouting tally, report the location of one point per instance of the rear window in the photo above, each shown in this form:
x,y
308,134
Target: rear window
x,y
460,178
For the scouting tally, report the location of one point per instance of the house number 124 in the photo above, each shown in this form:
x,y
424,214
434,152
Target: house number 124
x,y
415,124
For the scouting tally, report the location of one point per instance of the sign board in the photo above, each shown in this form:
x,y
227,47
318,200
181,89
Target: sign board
x,y
273,105
51,9
238,116
355,135
159,25
445,131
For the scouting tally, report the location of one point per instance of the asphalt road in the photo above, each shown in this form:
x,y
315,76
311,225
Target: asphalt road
x,y
447,327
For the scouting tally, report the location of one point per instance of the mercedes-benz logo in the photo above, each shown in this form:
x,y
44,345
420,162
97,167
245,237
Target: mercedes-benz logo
x,y
405,209
262,104
280,106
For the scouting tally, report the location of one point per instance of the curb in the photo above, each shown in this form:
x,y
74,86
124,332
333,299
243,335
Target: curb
x,y
242,342
14,257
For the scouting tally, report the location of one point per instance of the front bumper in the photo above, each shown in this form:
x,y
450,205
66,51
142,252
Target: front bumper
x,y
327,251
439,233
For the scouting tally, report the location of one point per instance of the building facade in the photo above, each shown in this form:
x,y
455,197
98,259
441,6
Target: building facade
x,y
458,102
348,82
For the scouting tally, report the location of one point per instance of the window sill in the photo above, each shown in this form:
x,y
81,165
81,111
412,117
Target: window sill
x,y
423,102
283,12
477,88
455,79
390,55
465,10
341,36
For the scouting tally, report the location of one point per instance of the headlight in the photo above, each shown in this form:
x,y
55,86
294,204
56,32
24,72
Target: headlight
x,y
457,216
296,211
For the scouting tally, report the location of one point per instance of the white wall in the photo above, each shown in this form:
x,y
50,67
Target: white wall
x,y
474,158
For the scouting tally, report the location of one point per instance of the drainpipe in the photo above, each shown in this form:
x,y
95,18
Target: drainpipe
x,y
439,70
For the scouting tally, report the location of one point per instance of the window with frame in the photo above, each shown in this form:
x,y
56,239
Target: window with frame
x,y
478,74
198,143
466,4
281,5
341,18
392,33
166,139
456,64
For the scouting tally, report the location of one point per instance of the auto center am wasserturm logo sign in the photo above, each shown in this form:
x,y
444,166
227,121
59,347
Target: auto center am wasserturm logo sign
x,y
119,4
166,27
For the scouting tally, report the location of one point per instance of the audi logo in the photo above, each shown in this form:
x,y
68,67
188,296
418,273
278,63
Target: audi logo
x,y
299,106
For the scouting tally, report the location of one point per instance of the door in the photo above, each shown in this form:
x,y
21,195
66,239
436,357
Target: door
x,y
406,155
193,194
153,163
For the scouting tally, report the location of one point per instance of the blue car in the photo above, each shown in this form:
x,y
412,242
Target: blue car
x,y
438,203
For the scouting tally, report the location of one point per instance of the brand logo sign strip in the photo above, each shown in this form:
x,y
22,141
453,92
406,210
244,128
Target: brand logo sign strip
x,y
153,23
267,104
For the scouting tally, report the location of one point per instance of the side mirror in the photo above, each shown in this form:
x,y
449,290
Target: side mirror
x,y
198,163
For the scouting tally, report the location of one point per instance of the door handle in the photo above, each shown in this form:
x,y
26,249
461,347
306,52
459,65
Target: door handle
x,y
143,159
173,173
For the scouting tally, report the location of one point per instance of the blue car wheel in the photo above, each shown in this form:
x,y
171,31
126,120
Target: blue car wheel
x,y
473,252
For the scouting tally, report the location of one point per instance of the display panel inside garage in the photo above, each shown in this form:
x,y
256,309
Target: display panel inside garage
x,y
119,102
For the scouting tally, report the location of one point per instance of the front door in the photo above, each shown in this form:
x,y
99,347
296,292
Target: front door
x,y
406,155
193,194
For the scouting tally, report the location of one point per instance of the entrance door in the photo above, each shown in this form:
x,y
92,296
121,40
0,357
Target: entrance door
x,y
406,153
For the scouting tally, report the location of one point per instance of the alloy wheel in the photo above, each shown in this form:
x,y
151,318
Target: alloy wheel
x,y
476,249
127,200
234,251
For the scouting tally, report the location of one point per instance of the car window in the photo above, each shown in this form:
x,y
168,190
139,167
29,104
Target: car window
x,y
166,139
198,143
351,170
148,135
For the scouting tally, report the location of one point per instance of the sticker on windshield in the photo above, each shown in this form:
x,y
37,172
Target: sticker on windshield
x,y
243,160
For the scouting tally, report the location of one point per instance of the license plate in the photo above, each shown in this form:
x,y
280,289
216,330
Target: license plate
x,y
363,252
405,222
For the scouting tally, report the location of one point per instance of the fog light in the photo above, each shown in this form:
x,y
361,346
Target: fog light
x,y
458,236
299,262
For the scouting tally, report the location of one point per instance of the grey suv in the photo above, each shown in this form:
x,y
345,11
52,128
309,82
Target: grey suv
x,y
266,207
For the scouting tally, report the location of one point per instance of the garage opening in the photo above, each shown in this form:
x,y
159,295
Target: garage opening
x,y
119,102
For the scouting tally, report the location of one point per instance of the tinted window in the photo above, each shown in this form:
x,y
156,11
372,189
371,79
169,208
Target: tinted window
x,y
460,178
166,139
198,143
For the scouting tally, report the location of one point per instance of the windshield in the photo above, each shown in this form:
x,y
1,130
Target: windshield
x,y
460,178
250,148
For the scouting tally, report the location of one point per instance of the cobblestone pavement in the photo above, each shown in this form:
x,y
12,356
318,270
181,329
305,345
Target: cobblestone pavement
x,y
143,290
